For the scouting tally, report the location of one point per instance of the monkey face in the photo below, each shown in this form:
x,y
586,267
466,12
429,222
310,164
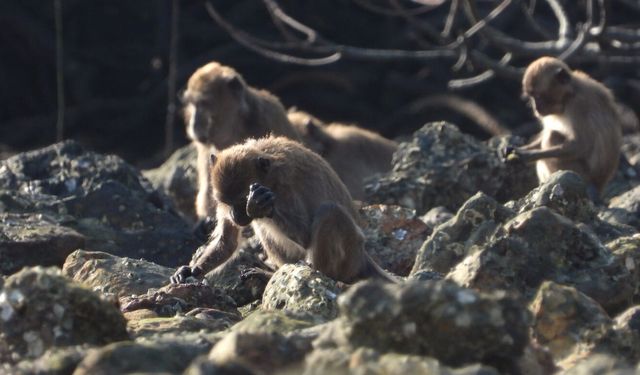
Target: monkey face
x,y
547,84
215,105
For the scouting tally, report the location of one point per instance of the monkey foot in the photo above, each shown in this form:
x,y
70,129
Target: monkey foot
x,y
251,272
260,202
184,273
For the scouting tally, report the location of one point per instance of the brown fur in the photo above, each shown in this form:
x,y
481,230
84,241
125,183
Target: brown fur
x,y
221,110
311,216
581,123
353,152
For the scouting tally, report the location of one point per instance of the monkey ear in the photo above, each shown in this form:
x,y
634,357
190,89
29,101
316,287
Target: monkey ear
x,y
563,76
263,164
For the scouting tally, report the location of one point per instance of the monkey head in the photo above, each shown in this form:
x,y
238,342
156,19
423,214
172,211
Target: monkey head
x,y
311,131
233,171
547,83
215,105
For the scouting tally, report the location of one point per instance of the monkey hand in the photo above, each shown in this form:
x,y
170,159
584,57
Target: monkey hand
x,y
260,201
183,273
510,154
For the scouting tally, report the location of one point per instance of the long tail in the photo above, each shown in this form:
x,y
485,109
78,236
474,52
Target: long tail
x,y
372,270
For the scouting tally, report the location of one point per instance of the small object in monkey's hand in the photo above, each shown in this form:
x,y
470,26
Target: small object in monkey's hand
x,y
260,201
509,154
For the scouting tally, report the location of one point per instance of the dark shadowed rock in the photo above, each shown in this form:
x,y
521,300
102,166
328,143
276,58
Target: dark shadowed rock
x,y
393,236
430,318
129,357
34,239
299,288
177,177
541,245
451,241
115,275
370,361
627,250
203,366
441,166
624,208
99,196
176,298
54,361
40,309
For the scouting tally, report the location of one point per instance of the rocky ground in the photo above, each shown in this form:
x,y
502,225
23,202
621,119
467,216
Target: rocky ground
x,y
499,276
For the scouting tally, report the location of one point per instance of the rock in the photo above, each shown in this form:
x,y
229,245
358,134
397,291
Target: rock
x,y
624,209
262,353
450,242
231,276
274,321
627,250
203,366
541,245
626,340
429,318
369,361
299,288
129,357
54,361
177,177
180,298
441,166
99,196
34,239
110,274
436,216
567,322
601,364
151,328
40,309
565,193
393,236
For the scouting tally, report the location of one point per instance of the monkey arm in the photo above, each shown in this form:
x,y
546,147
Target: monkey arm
x,y
224,242
203,199
567,151
534,144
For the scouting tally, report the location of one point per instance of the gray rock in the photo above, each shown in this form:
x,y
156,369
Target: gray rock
x,y
115,275
168,328
627,250
436,216
393,236
601,364
624,209
99,196
40,309
177,177
274,321
541,245
429,318
34,239
54,361
441,166
299,288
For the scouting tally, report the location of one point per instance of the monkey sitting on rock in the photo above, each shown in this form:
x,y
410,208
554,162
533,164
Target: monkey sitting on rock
x,y
581,125
296,204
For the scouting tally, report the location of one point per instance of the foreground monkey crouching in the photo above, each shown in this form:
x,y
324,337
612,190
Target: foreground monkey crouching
x,y
544,282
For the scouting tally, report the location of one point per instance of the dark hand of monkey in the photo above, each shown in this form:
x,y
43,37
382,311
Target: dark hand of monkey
x,y
260,201
510,154
183,273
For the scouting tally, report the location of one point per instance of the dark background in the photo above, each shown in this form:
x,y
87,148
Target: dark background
x,y
116,64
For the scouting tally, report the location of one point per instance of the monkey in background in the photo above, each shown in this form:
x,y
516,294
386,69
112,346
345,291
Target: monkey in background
x,y
353,152
581,125
220,109
296,204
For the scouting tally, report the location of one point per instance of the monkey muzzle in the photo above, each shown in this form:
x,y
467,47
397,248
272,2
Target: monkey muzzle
x,y
239,215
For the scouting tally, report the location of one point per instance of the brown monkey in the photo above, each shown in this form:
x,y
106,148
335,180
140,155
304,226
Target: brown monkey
x,y
353,152
221,110
581,127
296,204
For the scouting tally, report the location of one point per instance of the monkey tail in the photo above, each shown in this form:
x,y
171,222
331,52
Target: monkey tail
x,y
373,270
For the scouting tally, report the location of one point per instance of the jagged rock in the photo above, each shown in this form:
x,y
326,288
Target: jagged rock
x,y
627,250
262,353
369,361
177,177
472,225
231,276
40,309
34,239
101,197
110,274
129,357
626,327
299,288
180,298
430,318
441,166
601,364
436,216
393,236
565,192
540,245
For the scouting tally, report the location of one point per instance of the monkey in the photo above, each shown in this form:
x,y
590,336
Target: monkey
x,y
298,207
581,125
353,152
221,109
